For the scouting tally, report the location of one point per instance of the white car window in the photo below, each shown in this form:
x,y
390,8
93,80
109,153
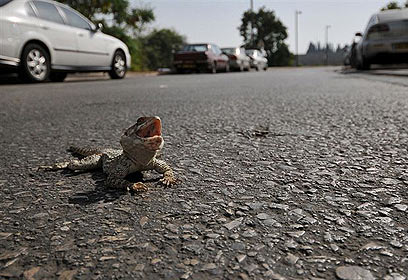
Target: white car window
x,y
75,20
48,11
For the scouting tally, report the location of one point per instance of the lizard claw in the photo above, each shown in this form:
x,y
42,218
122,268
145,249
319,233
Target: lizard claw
x,y
139,187
168,181
46,168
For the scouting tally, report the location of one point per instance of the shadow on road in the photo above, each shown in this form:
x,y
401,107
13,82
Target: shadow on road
x,y
12,79
377,70
102,192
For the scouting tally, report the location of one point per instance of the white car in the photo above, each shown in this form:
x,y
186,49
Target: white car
x,y
258,59
44,40
385,40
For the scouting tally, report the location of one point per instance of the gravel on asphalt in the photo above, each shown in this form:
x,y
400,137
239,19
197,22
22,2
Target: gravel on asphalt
x,y
285,174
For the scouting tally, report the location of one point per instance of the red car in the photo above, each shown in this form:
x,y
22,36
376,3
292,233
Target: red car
x,y
200,58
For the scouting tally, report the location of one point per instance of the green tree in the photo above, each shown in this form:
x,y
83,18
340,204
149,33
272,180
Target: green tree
x,y
392,6
268,33
118,10
159,47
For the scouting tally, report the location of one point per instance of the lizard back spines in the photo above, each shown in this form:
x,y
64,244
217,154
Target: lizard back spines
x,y
85,151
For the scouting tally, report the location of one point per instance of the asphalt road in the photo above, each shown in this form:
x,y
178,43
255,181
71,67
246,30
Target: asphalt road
x,y
285,174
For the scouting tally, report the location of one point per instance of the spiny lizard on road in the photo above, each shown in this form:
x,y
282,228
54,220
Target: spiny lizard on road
x,y
140,143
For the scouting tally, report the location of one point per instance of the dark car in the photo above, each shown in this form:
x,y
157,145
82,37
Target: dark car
x,y
200,58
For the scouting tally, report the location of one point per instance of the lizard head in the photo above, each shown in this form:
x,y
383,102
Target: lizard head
x,y
145,135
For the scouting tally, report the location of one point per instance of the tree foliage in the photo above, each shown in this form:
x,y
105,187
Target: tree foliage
x,y
268,33
118,10
394,5
160,46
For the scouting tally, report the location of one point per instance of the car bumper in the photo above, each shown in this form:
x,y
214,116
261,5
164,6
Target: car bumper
x,y
9,61
236,64
398,48
198,64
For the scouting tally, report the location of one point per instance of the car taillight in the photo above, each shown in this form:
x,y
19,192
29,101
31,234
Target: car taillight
x,y
379,28
233,57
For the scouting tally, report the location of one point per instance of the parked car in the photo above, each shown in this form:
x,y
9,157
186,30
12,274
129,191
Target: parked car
x,y
258,60
385,40
44,39
238,60
200,58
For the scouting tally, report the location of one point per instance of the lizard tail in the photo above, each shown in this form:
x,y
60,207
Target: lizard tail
x,y
85,151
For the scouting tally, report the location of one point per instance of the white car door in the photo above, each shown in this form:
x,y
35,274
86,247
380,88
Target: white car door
x,y
61,36
92,48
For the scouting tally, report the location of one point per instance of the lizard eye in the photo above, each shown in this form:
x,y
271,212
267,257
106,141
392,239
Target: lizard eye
x,y
141,120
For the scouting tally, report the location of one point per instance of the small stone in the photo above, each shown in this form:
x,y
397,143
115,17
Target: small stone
x,y
274,276
263,216
291,259
334,247
296,234
386,253
233,224
250,268
240,258
209,266
186,275
395,276
212,235
353,273
64,228
401,207
396,243
155,260
139,267
29,274
279,206
143,221
172,228
67,275
249,233
234,236
194,262
372,246
291,244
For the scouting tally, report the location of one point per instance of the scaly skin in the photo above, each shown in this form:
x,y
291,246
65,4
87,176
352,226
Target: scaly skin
x,y
140,144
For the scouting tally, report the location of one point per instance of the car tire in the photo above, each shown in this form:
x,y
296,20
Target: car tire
x,y
363,64
118,70
35,64
58,77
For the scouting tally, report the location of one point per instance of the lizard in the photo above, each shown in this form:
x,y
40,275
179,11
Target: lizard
x,y
140,143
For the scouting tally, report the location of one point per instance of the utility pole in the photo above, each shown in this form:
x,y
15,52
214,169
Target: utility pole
x,y
327,44
252,28
297,13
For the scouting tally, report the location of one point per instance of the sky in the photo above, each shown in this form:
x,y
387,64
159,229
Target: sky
x,y
216,21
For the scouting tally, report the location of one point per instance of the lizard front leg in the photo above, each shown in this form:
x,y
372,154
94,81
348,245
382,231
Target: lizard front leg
x,y
163,168
120,183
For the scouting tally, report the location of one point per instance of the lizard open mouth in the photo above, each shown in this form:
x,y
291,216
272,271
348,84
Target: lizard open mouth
x,y
148,127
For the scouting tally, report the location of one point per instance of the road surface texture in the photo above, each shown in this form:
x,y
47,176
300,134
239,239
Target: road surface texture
x,y
285,174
